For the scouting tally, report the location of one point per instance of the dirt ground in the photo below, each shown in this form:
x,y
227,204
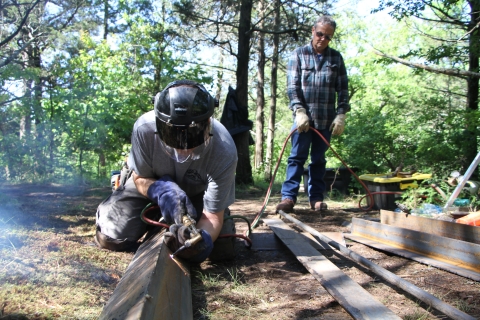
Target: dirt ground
x,y
51,269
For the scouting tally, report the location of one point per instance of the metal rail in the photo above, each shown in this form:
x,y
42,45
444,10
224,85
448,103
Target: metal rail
x,y
385,274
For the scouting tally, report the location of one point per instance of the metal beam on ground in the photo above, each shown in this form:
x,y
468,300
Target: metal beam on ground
x,y
388,276
267,241
350,295
438,227
459,257
154,286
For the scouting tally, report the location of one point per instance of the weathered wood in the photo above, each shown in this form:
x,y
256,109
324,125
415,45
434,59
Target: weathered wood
x,y
388,276
153,287
438,227
349,294
462,254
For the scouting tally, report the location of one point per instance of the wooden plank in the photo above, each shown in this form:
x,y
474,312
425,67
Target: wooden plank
x,y
349,294
459,254
432,226
154,287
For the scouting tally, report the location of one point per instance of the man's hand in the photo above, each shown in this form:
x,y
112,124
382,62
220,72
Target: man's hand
x,y
338,125
179,234
301,120
173,201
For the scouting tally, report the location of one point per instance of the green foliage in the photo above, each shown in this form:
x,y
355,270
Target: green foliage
x,y
426,193
414,197
400,116
88,116
92,91
402,8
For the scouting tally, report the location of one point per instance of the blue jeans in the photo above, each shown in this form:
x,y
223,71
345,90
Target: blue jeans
x,y
302,144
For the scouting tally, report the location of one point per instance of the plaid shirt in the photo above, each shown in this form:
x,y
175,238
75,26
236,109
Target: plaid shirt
x,y
314,83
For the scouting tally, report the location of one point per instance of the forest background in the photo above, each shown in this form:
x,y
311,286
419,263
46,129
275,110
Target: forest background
x,y
76,74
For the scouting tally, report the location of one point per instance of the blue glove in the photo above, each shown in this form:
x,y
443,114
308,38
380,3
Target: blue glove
x,y
176,237
172,200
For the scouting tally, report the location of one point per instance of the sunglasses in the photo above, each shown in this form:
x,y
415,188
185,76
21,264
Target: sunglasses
x,y
323,35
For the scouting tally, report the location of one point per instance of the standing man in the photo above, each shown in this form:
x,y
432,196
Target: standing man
x,y
317,86
184,161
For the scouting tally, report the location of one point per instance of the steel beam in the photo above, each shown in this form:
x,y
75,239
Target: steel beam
x,y
437,227
154,286
358,302
460,257
385,274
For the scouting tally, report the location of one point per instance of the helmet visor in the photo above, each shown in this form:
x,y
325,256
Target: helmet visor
x,y
183,137
182,155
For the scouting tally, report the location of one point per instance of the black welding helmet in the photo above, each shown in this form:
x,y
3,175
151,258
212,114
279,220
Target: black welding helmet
x,y
182,111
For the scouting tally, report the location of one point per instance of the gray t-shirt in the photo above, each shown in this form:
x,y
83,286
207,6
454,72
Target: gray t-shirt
x,y
213,173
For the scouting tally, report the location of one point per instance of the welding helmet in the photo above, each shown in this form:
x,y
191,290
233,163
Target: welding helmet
x,y
182,111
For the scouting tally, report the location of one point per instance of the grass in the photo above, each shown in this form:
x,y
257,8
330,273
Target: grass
x,y
417,315
464,306
236,277
232,295
49,266
208,280
57,276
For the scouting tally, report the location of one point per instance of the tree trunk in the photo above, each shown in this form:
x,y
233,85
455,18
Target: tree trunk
x,y
38,114
471,132
102,172
273,97
244,168
25,121
105,20
260,118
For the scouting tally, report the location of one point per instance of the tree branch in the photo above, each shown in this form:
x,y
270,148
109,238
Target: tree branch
x,y
20,26
451,72
206,65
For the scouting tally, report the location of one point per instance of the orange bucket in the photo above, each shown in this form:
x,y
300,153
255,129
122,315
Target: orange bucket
x,y
472,219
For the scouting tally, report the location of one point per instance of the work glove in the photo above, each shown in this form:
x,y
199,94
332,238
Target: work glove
x,y
338,125
301,120
172,201
176,237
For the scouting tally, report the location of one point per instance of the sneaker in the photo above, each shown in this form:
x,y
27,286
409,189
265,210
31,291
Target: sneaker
x,y
318,206
286,205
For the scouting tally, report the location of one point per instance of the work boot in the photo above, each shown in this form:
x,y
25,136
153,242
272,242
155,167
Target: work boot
x,y
286,205
318,206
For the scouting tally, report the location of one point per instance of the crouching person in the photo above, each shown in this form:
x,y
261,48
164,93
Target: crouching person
x,y
182,160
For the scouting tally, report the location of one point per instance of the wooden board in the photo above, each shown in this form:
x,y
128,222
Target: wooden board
x,y
154,287
350,295
432,226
